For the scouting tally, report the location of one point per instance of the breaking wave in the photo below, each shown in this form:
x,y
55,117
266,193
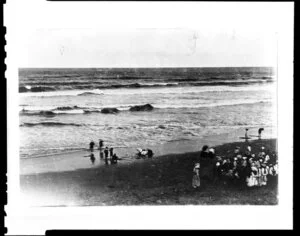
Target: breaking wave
x,y
48,124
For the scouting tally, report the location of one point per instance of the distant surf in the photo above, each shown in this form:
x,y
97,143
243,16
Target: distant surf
x,y
100,85
26,124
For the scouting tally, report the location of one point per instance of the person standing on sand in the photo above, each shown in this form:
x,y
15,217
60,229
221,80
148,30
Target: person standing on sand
x,y
92,144
196,176
204,154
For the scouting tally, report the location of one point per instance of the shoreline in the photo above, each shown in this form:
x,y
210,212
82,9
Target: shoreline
x,y
163,180
75,160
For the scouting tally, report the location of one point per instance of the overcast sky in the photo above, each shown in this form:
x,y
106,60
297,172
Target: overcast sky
x,y
189,35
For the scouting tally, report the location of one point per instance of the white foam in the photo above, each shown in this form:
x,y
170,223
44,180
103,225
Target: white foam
x,y
156,90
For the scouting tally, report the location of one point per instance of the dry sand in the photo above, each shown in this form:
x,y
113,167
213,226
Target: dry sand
x,y
163,180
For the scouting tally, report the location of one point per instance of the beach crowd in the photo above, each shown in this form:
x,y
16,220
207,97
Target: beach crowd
x,y
239,167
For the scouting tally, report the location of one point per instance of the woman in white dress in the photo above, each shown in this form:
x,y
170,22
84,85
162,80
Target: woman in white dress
x,y
252,179
264,173
196,176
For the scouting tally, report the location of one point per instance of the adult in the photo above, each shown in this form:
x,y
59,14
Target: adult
x,y
106,155
101,154
211,153
114,159
92,144
92,157
100,144
204,154
150,153
259,132
246,134
111,152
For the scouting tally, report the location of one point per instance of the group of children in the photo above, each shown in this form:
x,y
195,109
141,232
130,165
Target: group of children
x,y
245,168
104,153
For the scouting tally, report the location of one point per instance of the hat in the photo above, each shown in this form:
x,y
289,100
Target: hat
x,y
211,150
197,165
239,156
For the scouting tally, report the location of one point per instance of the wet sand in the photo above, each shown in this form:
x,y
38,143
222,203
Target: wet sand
x,y
80,159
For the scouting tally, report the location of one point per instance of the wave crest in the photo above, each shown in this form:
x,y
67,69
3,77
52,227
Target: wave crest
x,y
27,124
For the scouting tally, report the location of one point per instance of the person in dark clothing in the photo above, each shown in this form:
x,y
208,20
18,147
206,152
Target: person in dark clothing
x,y
211,153
114,159
259,132
111,152
101,154
246,135
150,153
106,152
92,144
204,155
106,155
100,144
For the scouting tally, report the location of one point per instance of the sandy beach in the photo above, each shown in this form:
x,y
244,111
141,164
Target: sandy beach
x,y
162,180
71,161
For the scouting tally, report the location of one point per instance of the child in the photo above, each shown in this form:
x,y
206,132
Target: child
x,y
237,150
264,173
252,180
196,176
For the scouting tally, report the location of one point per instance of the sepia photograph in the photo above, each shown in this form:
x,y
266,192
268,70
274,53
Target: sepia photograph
x,y
149,114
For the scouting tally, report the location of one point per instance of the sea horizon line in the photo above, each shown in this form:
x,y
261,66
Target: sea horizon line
x,y
163,67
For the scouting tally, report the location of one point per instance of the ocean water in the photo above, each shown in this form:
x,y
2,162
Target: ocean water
x,y
60,109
